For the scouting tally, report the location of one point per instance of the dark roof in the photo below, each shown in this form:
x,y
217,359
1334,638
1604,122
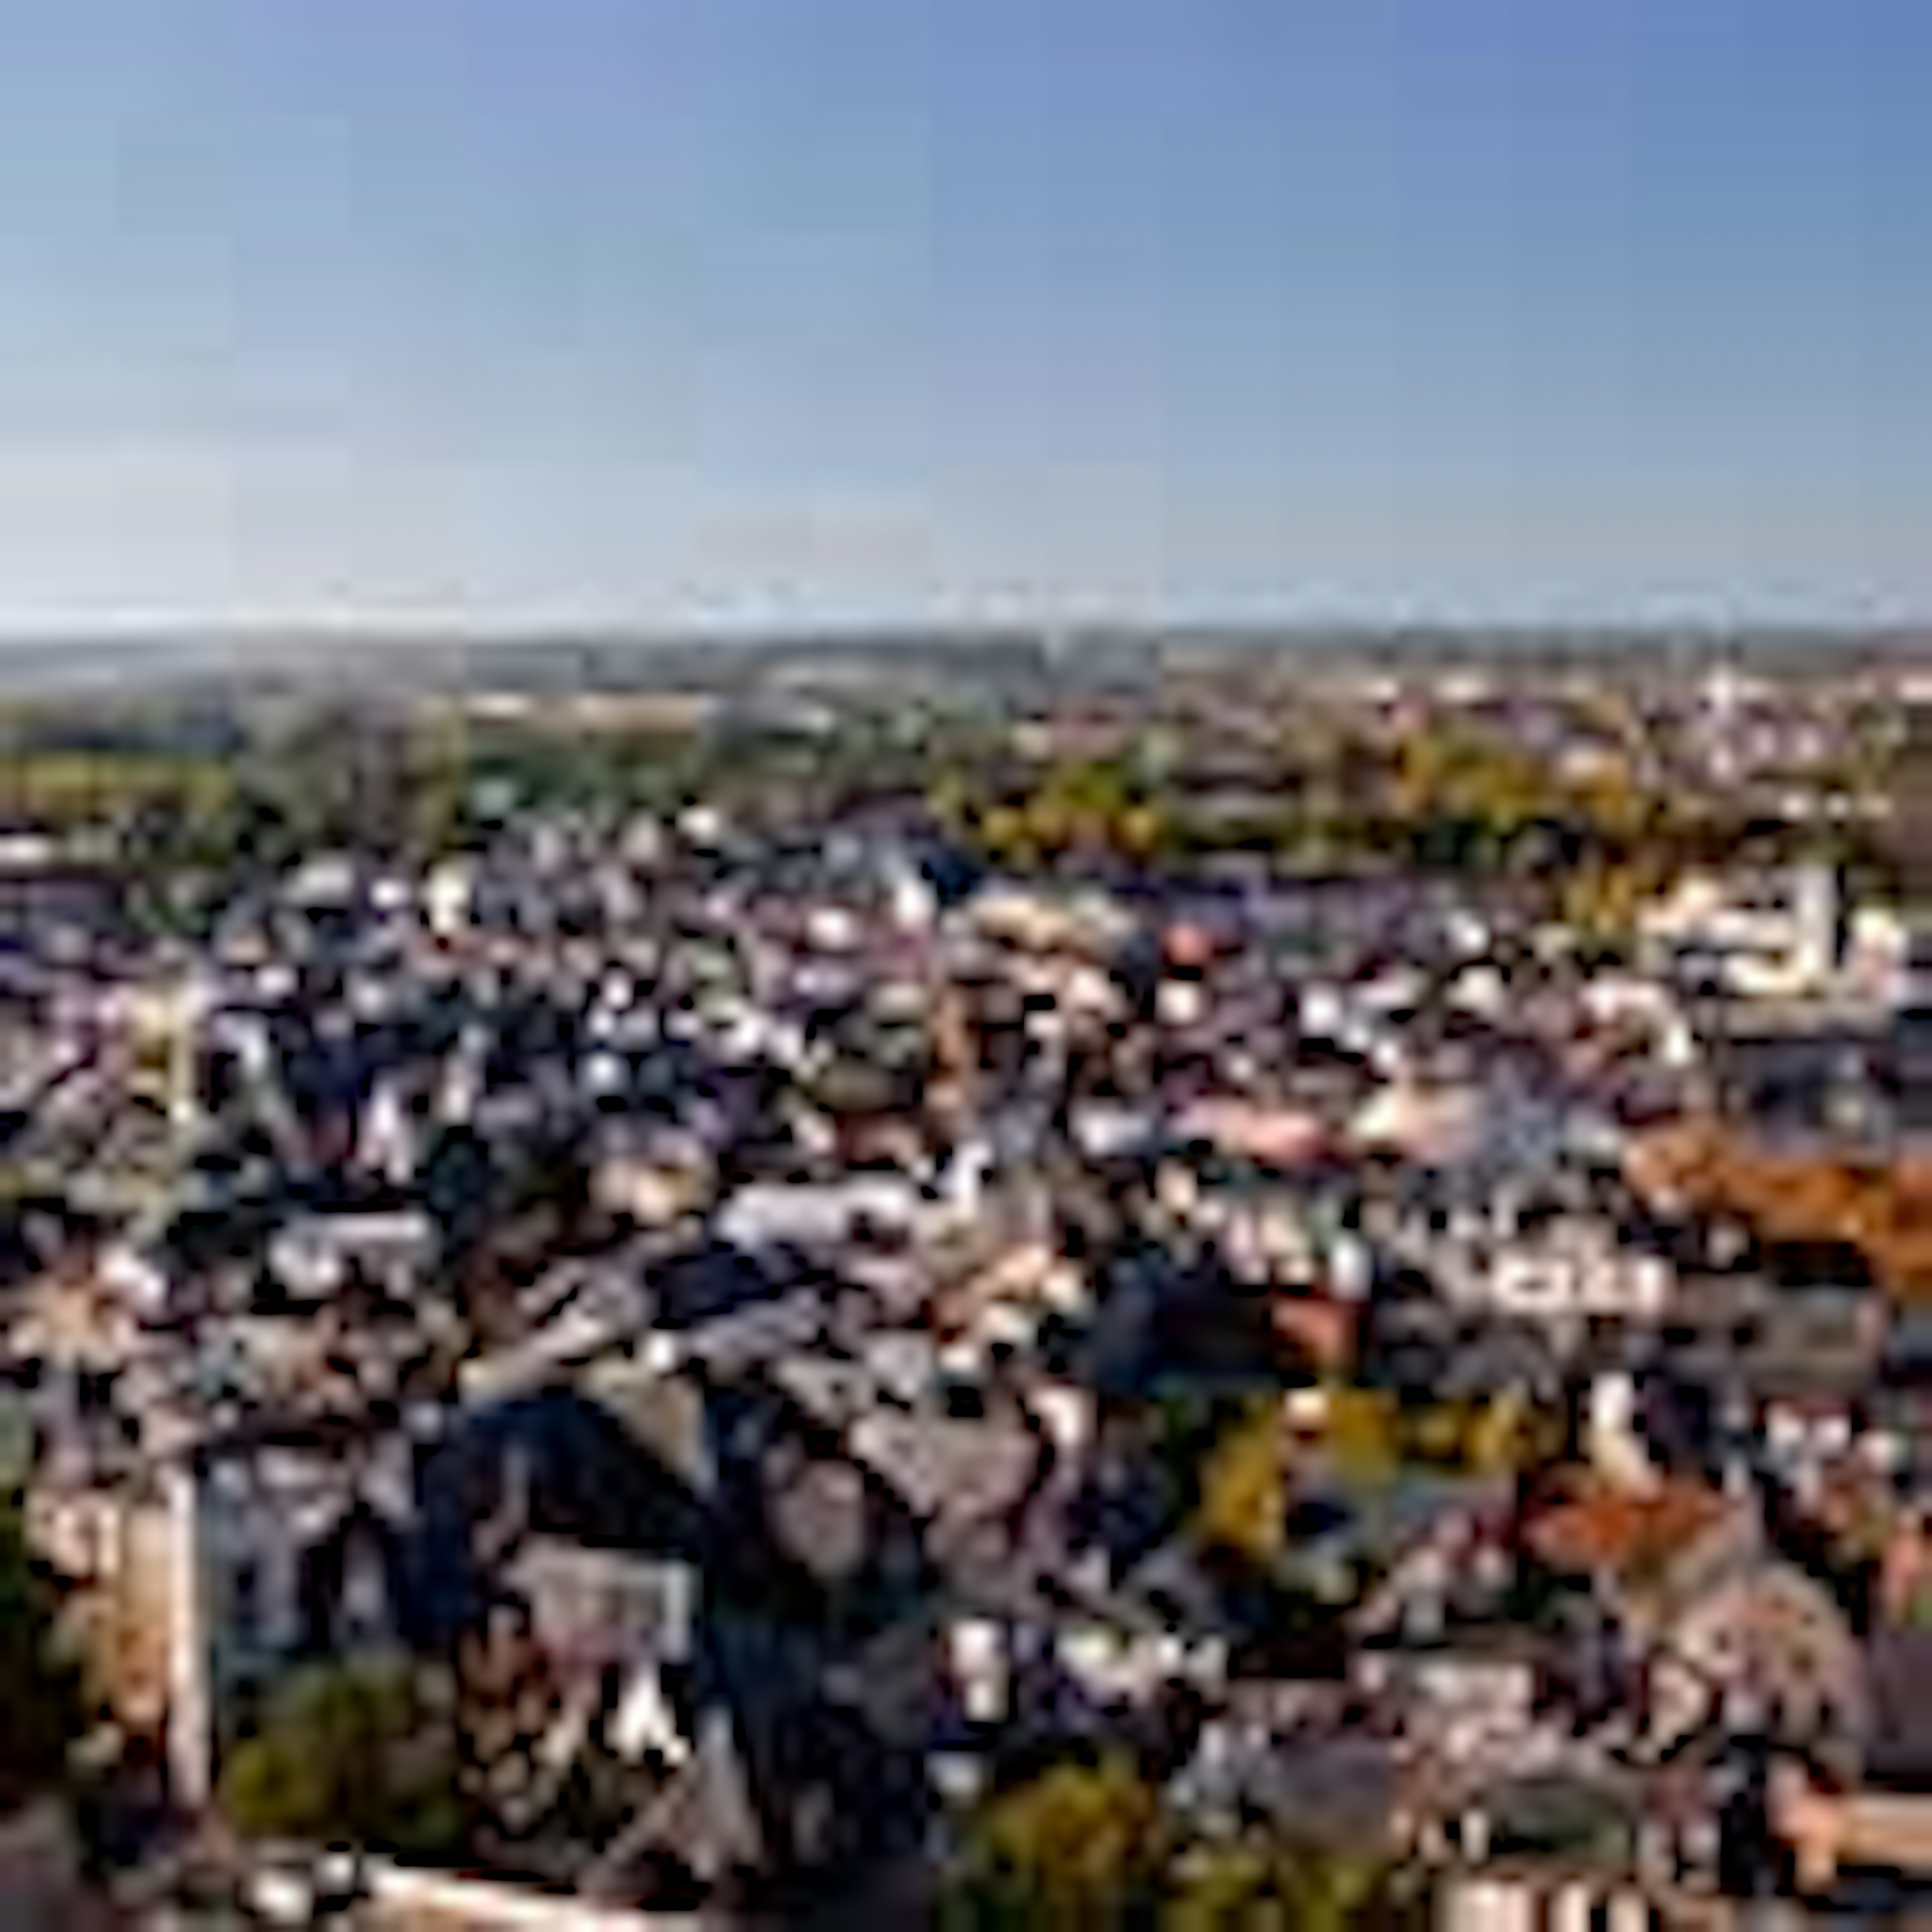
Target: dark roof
x,y
1338,1791
1817,1263
1898,1752
587,1479
705,1283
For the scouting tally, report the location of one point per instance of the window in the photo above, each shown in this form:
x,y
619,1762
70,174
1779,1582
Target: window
x,y
245,1597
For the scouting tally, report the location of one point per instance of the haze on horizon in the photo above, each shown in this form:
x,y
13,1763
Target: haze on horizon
x,y
796,312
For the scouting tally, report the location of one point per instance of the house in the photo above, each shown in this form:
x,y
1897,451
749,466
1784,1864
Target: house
x,y
1470,1699
593,1610
1766,1645
953,1471
298,1550
1569,1271
1344,1791
1636,1544
1731,1636
550,1511
1769,936
1827,1831
1896,1751
113,1548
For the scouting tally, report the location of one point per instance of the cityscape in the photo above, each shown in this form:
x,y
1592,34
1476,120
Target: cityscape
x,y
1287,1285
965,964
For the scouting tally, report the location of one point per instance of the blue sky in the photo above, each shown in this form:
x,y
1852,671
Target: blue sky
x,y
799,311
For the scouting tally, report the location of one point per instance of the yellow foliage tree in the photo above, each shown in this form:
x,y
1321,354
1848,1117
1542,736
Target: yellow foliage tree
x,y
1362,1436
1263,1887
1080,1847
1244,1489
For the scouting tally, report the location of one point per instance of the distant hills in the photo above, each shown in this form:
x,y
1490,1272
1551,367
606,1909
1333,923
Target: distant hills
x,y
373,662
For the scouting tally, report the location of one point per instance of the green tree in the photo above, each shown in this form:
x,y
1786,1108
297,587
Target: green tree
x,y
348,1750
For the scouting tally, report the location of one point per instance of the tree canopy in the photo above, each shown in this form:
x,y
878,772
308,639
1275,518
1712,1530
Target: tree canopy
x,y
1079,1847
347,1751
1090,1844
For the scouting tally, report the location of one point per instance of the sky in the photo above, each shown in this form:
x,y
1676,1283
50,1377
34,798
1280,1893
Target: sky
x,y
668,312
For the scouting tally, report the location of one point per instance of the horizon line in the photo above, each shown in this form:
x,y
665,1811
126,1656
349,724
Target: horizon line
x,y
1061,630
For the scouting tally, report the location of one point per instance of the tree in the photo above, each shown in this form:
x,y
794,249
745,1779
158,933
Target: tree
x,y
39,1690
1364,1435
1089,1844
1080,1846
1244,1488
1260,1885
437,781
348,1751
1506,1435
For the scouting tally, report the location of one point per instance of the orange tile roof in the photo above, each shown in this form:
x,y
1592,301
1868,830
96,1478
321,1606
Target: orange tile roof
x,y
1618,1531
